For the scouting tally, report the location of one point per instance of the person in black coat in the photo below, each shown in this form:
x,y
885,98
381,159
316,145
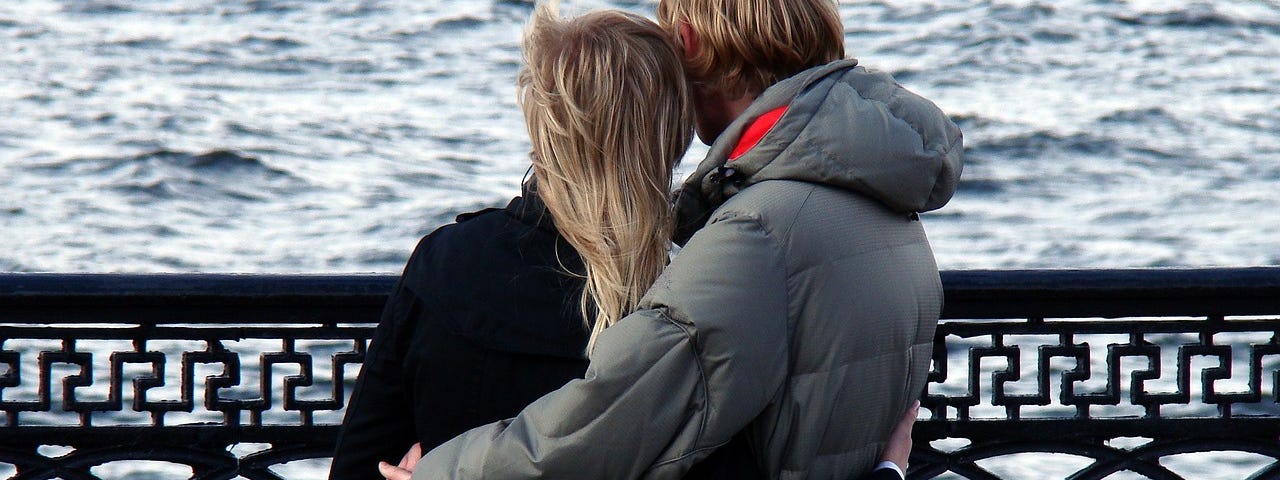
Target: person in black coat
x,y
484,320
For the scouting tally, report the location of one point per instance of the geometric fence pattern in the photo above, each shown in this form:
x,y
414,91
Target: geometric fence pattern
x,y
1161,374
220,376
1103,374
1071,387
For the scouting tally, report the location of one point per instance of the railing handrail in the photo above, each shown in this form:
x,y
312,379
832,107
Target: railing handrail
x,y
970,294
34,288
991,294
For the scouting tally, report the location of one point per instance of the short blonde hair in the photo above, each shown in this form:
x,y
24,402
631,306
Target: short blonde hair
x,y
607,107
749,45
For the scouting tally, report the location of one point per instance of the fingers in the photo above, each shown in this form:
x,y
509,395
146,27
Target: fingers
x,y
898,447
390,472
909,418
407,463
410,460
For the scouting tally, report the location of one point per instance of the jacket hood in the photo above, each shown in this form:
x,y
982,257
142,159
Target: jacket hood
x,y
845,126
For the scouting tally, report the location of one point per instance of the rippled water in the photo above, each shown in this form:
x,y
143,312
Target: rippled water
x,y
291,136
327,136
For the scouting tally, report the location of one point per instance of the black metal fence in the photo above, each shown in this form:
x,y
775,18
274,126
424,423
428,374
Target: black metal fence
x,y
1037,374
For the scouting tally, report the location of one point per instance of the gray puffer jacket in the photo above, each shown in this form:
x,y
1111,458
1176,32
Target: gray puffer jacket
x,y
802,313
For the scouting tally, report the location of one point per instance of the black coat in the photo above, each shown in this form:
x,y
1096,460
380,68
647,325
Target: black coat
x,y
484,320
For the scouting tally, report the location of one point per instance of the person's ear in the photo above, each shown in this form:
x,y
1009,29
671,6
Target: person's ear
x,y
689,40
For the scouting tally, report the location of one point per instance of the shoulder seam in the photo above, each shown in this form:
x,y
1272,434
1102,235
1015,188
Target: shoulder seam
x,y
786,277
786,281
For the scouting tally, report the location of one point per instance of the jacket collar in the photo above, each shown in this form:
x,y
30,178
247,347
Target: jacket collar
x,y
529,209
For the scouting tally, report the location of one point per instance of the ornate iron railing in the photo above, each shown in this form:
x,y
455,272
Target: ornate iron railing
x,y
1037,374
1121,370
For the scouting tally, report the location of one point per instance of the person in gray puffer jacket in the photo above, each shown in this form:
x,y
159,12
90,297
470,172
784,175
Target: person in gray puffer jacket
x,y
800,314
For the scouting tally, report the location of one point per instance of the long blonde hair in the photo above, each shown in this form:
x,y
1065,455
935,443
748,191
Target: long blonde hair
x,y
607,107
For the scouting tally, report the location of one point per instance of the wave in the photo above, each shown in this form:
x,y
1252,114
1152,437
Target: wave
x,y
153,190
915,14
987,27
1022,14
294,65
90,7
971,121
1152,118
268,6
253,53
1149,133
1122,216
1041,143
169,174
981,186
269,43
1125,133
1055,36
360,10
216,160
1200,15
458,24
1139,115
1246,90
141,43
1267,123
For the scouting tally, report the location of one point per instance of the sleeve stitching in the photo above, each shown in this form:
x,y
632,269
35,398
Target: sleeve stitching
x,y
786,279
702,386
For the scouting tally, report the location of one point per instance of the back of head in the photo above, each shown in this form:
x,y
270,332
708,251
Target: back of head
x,y
607,107
748,45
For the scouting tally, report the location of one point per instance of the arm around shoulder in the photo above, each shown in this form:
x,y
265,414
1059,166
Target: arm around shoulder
x,y
640,392
666,385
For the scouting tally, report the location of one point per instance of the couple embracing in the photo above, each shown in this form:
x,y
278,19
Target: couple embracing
x,y
786,339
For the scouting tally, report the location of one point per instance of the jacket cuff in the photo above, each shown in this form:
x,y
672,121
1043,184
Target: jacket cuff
x,y
891,466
